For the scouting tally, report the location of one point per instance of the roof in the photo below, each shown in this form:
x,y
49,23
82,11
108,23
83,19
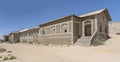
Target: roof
x,y
84,15
92,13
6,35
35,27
23,30
97,12
57,20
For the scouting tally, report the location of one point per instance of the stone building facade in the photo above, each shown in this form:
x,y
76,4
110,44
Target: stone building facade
x,y
29,35
71,30
6,38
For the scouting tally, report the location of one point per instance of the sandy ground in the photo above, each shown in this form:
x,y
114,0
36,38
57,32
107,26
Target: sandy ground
x,y
110,52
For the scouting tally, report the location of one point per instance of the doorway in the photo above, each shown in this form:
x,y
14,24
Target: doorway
x,y
87,28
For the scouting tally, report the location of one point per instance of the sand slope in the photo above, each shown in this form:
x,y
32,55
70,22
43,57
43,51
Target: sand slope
x,y
110,52
114,27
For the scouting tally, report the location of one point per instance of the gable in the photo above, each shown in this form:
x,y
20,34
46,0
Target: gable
x,y
96,13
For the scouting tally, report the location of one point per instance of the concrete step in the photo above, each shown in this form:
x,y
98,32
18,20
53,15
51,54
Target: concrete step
x,y
83,41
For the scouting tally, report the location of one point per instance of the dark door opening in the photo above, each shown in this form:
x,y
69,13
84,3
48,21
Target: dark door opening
x,y
87,28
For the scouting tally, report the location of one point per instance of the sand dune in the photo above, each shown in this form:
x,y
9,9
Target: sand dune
x,y
110,52
114,27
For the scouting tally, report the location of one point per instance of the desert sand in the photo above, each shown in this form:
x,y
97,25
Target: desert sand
x,y
110,52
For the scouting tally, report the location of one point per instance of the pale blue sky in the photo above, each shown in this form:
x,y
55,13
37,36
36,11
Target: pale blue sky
x,y
19,14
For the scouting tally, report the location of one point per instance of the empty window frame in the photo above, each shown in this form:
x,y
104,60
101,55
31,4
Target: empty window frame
x,y
53,30
64,28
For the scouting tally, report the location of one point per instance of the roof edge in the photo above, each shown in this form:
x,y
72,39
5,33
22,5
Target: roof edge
x,y
57,19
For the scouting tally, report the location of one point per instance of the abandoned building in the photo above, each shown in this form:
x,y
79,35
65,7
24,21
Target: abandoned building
x,y
6,37
71,30
29,35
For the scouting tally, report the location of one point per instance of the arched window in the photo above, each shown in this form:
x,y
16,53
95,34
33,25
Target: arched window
x,y
53,29
100,28
88,23
64,28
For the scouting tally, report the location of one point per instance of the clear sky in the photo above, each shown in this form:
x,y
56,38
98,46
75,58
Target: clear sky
x,y
19,14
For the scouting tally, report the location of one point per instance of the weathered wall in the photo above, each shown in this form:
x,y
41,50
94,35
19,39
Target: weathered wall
x,y
29,35
58,37
55,39
103,22
77,27
28,39
16,37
